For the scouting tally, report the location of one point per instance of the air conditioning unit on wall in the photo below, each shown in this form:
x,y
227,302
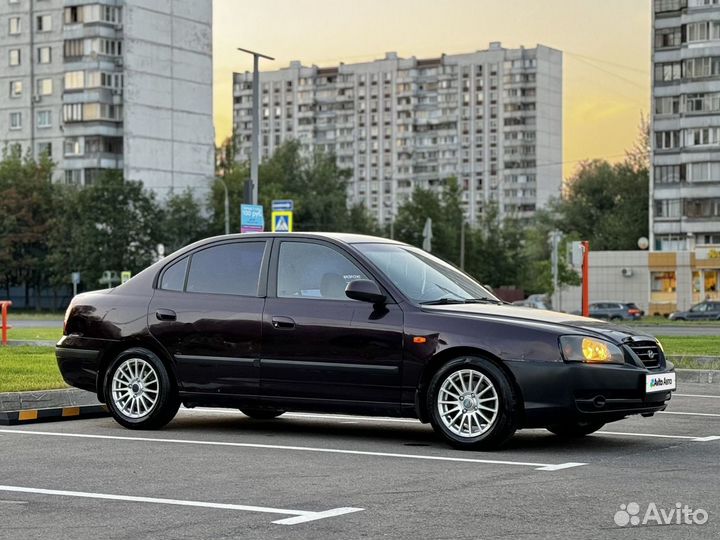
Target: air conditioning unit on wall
x,y
626,272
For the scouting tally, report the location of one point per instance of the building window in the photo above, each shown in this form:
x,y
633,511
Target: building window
x,y
73,14
43,23
74,80
669,208
16,89
44,119
73,146
72,112
667,105
702,136
702,208
15,120
669,174
73,48
44,55
44,148
73,176
109,47
704,171
14,26
14,57
44,87
668,37
662,6
667,139
668,71
702,103
702,67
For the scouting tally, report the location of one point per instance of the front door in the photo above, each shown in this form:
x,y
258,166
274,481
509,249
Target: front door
x,y
207,313
319,345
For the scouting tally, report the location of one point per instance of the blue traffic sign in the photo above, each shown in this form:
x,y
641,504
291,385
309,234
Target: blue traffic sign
x,y
251,218
282,205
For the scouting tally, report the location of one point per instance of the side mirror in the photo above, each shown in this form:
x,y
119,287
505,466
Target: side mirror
x,y
365,291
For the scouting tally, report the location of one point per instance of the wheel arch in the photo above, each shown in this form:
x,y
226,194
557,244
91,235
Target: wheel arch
x,y
444,356
147,343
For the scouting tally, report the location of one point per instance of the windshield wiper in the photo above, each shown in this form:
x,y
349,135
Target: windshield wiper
x,y
441,301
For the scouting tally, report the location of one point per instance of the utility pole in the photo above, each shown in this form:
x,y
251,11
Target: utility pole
x,y
255,155
555,237
227,205
462,245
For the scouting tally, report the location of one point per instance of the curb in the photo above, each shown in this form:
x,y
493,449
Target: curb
x,y
702,376
32,416
48,406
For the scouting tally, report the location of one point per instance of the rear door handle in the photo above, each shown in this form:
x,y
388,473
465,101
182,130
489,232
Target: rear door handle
x,y
165,315
283,322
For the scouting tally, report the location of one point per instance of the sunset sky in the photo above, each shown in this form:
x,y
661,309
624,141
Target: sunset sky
x,y
606,46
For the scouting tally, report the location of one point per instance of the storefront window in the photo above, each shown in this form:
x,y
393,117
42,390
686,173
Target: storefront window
x,y
663,287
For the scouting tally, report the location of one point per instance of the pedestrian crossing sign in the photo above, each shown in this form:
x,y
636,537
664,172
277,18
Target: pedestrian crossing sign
x,y
282,221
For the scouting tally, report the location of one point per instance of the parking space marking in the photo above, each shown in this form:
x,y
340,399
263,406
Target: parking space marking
x,y
313,416
659,436
299,516
697,395
689,413
536,466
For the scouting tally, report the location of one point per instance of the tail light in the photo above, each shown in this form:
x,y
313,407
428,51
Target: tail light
x,y
633,311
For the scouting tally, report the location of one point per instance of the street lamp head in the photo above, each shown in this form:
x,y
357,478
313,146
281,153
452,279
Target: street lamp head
x,y
255,53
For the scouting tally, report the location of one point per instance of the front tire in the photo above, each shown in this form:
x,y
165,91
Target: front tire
x,y
574,430
139,392
472,404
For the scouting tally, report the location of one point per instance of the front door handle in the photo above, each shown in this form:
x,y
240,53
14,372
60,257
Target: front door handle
x,y
285,323
163,314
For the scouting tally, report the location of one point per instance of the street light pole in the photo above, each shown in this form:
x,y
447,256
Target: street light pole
x,y
227,205
255,155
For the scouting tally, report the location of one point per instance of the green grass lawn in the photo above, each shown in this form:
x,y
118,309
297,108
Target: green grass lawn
x,y
28,368
691,345
18,315
663,321
35,334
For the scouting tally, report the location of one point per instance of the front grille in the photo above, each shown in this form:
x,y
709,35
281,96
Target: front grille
x,y
647,351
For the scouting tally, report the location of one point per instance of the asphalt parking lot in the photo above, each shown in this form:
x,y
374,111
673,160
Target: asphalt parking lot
x,y
219,474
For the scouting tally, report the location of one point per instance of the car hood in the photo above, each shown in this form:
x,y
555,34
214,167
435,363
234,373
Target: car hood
x,y
563,322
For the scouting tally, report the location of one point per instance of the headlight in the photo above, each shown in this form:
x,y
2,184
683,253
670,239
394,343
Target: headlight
x,y
591,350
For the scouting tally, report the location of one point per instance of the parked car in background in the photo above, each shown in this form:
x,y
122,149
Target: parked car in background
x,y
704,311
614,311
633,305
537,301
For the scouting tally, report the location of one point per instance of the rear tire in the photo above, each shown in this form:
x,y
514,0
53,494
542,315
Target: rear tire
x,y
577,429
472,404
616,318
139,391
262,414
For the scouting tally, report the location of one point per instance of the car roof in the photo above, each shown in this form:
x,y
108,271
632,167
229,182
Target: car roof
x,y
346,238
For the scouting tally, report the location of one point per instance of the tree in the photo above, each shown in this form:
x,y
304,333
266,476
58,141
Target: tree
x,y
445,211
606,204
183,222
114,224
25,204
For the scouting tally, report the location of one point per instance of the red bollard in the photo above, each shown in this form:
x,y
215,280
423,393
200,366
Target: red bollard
x,y
5,327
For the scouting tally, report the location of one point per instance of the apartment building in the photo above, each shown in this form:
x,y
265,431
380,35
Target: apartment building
x,y
685,181
111,84
492,119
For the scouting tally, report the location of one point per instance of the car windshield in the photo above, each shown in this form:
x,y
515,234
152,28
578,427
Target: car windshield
x,y
423,277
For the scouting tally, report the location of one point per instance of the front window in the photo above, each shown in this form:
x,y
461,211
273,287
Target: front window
x,y
423,277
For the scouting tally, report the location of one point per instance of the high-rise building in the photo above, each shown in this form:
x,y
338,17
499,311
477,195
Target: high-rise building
x,y
492,119
685,185
111,84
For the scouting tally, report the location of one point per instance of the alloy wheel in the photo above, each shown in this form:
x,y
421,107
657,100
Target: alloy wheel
x,y
135,388
467,403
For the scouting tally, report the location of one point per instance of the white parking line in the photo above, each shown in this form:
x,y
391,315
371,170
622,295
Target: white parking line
x,y
299,516
698,395
537,466
689,413
657,435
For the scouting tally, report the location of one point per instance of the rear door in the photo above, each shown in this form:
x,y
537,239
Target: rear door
x,y
319,345
207,313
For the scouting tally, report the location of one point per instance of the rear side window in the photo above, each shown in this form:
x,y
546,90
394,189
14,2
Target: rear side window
x,y
173,278
227,269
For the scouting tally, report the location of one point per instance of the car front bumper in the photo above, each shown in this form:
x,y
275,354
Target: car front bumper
x,y
561,392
